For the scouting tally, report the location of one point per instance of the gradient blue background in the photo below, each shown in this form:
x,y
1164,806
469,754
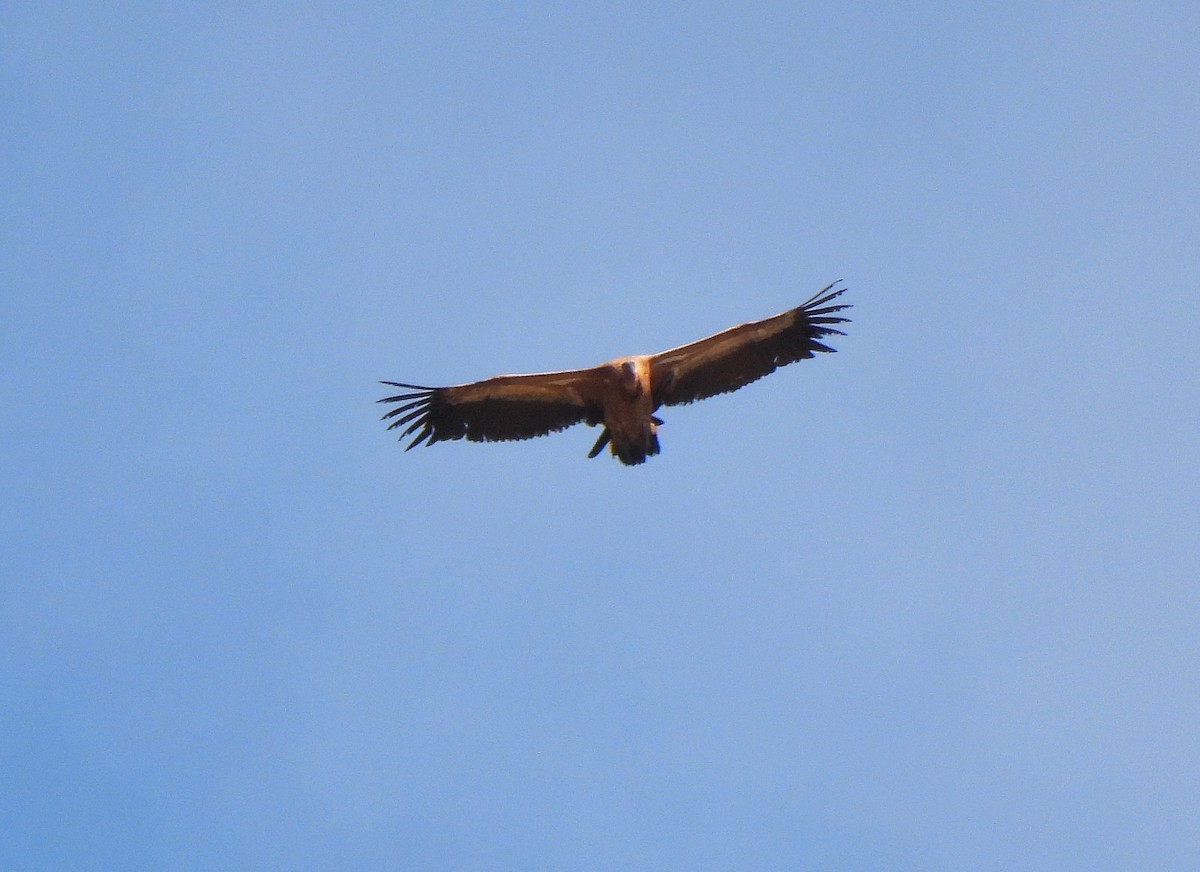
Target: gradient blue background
x,y
930,603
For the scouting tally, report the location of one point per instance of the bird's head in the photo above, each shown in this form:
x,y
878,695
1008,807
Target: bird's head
x,y
629,380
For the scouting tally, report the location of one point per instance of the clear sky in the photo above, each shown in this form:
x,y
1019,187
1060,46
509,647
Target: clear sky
x,y
930,603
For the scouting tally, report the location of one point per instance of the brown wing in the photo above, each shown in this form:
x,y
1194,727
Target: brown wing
x,y
735,357
495,409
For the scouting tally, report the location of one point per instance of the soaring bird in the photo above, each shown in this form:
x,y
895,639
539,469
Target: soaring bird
x,y
622,394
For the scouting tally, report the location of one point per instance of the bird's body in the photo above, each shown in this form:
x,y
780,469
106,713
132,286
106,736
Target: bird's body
x,y
622,394
628,402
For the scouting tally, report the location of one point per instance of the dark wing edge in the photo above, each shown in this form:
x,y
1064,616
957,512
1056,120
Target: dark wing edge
x,y
478,415
734,358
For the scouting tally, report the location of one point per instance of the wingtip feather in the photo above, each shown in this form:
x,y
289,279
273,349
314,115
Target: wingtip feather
x,y
815,305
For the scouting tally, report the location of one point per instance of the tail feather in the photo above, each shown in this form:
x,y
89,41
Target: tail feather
x,y
636,451
633,451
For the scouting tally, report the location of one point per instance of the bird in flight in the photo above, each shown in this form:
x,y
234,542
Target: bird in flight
x,y
622,394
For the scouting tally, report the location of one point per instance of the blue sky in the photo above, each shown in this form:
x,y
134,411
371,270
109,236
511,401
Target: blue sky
x,y
928,603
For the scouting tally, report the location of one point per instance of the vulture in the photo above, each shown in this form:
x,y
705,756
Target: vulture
x,y
622,394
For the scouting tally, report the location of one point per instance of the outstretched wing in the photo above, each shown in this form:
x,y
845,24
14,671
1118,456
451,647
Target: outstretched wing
x,y
735,357
495,409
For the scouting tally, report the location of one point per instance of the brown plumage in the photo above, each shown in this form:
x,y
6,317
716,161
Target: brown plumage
x,y
622,394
